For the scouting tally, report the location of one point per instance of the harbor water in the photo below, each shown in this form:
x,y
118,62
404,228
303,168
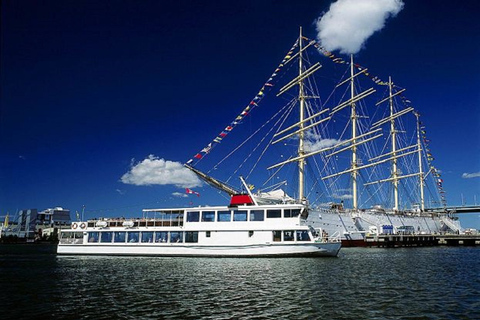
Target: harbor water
x,y
362,283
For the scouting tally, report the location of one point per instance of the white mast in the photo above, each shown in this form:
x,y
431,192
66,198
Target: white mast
x,y
354,137
394,147
420,168
301,151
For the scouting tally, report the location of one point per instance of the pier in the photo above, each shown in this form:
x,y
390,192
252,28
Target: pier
x,y
396,240
459,240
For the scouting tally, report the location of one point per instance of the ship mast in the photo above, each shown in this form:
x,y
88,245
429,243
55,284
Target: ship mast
x,y
420,167
304,123
394,146
354,137
301,151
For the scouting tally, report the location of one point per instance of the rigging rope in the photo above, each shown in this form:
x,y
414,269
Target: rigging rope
x,y
267,87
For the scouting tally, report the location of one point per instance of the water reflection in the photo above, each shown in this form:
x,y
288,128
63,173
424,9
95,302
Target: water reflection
x,y
360,284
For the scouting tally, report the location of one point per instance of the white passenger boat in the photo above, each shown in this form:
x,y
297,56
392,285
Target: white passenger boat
x,y
239,230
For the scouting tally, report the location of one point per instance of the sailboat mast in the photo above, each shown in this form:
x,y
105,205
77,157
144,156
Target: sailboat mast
x,y
420,167
354,137
301,98
394,147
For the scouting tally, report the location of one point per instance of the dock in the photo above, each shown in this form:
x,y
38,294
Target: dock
x,y
412,240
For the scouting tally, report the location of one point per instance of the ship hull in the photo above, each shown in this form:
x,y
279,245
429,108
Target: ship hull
x,y
265,250
352,227
349,243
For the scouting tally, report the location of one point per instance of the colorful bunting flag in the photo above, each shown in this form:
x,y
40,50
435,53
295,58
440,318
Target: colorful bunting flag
x,y
254,103
189,191
435,172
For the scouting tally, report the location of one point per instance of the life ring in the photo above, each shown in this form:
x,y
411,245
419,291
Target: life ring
x,y
74,226
82,226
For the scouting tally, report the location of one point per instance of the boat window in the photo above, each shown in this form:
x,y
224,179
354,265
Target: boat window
x,y
133,236
176,236
193,216
277,236
291,213
208,216
240,216
65,235
274,213
302,235
224,216
91,224
143,223
71,237
119,236
93,236
147,236
208,234
191,236
288,235
257,215
106,237
161,236
250,234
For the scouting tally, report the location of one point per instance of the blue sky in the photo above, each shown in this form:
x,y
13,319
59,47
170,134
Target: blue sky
x,y
91,88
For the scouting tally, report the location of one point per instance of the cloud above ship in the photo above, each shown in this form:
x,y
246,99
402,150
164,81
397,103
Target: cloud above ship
x,y
349,23
156,171
342,196
471,175
179,195
315,142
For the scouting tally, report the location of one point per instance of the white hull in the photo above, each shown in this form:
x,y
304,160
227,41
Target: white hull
x,y
241,231
311,249
353,226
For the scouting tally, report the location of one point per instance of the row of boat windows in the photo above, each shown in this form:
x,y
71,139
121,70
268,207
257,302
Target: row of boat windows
x,y
208,216
143,223
240,215
174,236
145,236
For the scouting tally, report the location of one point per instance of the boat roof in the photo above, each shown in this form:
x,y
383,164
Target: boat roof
x,y
244,207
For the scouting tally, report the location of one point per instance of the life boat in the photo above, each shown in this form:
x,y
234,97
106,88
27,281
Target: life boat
x,y
101,224
128,223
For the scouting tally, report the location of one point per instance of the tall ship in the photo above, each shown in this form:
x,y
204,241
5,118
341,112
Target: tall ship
x,y
329,151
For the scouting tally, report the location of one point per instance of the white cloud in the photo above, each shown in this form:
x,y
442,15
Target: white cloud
x,y
120,191
153,170
349,23
342,196
314,143
179,195
471,175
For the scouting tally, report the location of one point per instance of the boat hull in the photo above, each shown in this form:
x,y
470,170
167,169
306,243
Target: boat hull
x,y
330,249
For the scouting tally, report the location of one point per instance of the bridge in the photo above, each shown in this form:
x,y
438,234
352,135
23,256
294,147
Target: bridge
x,y
456,209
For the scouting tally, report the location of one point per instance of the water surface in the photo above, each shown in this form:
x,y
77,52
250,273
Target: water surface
x,y
362,283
